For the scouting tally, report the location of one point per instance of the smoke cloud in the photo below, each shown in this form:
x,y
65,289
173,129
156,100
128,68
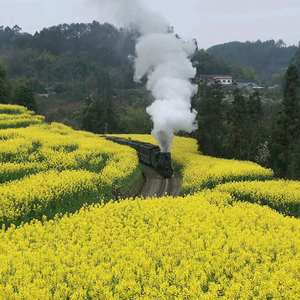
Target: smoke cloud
x,y
163,58
131,12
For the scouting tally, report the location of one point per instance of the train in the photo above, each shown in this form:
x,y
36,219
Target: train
x,y
149,154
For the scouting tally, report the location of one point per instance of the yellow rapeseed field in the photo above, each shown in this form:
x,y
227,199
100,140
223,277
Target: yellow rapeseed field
x,y
167,248
13,109
207,172
210,244
281,195
47,169
199,171
17,116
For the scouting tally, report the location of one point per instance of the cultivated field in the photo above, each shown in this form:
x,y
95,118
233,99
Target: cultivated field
x,y
230,235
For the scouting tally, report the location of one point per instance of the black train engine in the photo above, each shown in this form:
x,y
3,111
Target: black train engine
x,y
149,154
164,165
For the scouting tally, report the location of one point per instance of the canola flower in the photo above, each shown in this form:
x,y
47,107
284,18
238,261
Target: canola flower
x,y
46,169
202,246
99,163
207,172
14,116
27,115
12,109
12,171
46,193
200,172
166,248
281,195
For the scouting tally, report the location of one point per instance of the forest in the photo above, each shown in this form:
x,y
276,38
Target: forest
x,y
269,59
82,75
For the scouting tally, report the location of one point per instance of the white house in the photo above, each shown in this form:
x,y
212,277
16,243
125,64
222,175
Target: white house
x,y
224,79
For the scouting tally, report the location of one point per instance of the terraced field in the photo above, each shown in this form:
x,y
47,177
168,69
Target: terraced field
x,y
49,169
233,234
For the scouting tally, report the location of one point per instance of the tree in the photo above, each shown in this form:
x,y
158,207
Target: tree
x,y
24,96
207,63
135,120
16,29
254,128
91,116
295,161
280,44
208,103
98,115
4,86
237,145
266,58
296,59
285,136
106,96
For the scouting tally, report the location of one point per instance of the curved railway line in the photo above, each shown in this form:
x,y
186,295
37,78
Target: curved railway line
x,y
158,186
166,187
158,172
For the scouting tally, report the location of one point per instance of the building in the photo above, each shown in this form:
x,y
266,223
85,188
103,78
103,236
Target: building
x,y
224,79
210,79
250,85
205,77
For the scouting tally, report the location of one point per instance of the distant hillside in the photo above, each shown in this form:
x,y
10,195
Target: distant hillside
x,y
267,58
68,57
207,63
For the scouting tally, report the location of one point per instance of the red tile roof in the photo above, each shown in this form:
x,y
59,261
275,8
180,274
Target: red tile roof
x,y
222,77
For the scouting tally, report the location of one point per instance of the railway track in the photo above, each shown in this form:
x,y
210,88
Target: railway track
x,y
166,187
158,186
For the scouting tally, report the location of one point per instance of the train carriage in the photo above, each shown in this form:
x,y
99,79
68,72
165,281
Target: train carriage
x,y
149,154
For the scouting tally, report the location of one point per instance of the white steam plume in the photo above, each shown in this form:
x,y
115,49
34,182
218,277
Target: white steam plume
x,y
131,12
164,59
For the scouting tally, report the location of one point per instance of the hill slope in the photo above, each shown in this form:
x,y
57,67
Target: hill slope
x,y
267,58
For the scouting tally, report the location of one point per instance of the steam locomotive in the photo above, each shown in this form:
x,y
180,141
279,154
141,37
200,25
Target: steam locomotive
x,y
149,154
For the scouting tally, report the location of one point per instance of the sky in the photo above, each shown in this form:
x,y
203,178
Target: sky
x,y
211,22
